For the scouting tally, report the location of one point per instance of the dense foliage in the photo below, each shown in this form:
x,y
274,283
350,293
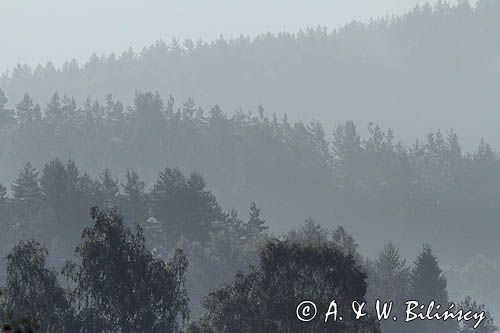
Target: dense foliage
x,y
426,69
292,170
434,67
116,284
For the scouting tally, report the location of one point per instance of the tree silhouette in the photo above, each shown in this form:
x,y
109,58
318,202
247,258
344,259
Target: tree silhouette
x,y
134,201
33,296
487,326
255,224
120,285
265,299
389,281
429,284
185,206
6,115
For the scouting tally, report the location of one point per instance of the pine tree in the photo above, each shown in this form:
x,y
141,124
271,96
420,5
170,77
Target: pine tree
x,y
310,233
53,111
134,188
114,110
72,176
135,203
347,157
255,224
26,186
429,284
60,186
3,193
26,111
148,110
53,182
109,188
389,281
3,100
345,242
184,206
68,106
392,280
6,115
427,281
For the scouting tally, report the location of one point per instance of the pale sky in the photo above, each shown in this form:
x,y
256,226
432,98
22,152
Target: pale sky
x,y
35,31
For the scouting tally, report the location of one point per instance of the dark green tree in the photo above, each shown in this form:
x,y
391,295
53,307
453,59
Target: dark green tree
x,y
27,111
389,281
255,224
32,293
346,150
119,284
53,110
429,284
109,189
26,185
265,299
3,194
6,115
62,194
134,203
53,184
427,281
184,206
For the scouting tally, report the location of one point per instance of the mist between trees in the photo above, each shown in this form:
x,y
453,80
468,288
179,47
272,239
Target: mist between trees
x,y
152,277
434,67
377,187
188,175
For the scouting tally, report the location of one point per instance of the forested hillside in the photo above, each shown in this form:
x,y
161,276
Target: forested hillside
x,y
379,187
174,249
436,67
197,160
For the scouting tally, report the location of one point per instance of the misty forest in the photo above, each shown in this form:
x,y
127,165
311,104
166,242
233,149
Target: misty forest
x,y
204,187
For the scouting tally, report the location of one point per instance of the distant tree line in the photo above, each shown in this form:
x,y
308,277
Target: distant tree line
x,y
292,170
52,207
428,68
183,251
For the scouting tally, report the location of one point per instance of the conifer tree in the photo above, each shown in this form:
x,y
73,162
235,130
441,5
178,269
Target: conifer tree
x,y
61,193
53,183
109,188
6,115
3,100
255,224
347,152
135,201
427,281
389,281
26,111
68,107
184,206
53,110
26,185
429,284
392,276
3,193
